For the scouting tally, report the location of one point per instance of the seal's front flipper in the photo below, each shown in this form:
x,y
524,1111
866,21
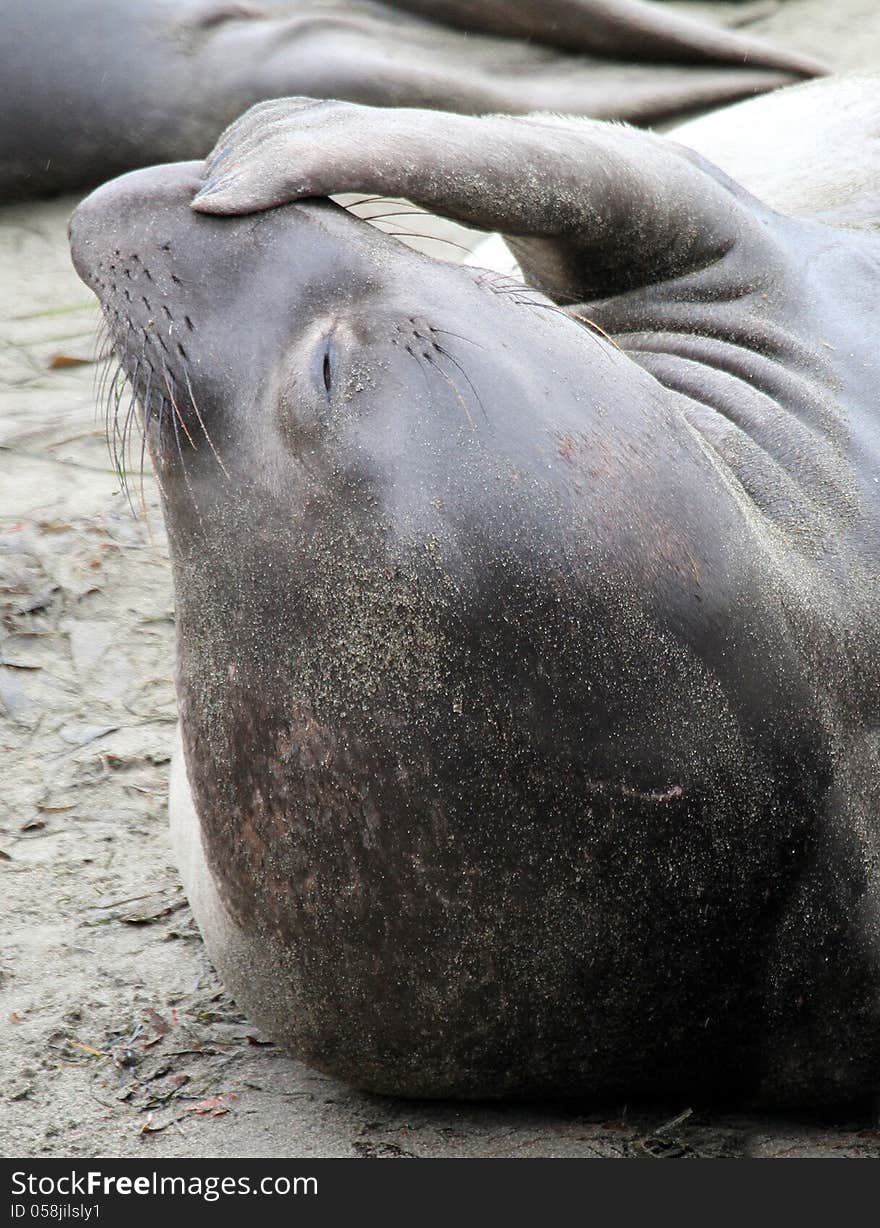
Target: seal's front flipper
x,y
630,29
590,209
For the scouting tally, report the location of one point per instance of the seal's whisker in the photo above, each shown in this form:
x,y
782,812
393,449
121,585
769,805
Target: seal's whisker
x,y
103,366
101,352
503,285
103,340
440,350
418,363
446,333
144,426
594,327
126,448
499,282
114,398
530,302
371,200
201,421
401,208
120,385
379,217
138,419
512,289
128,424
175,417
135,405
102,379
147,405
424,356
125,382
149,414
101,374
415,234
147,398
179,449
166,375
108,388
436,367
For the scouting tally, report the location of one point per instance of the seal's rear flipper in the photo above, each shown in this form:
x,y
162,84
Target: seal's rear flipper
x,y
617,28
379,58
590,209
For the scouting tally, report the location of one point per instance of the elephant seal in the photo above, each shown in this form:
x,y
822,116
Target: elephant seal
x,y
123,85
528,635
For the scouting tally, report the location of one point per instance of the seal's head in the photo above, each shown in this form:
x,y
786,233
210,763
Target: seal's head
x,y
447,610
282,347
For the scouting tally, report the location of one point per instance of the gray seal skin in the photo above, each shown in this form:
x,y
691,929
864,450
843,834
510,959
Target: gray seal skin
x,y
528,636
90,88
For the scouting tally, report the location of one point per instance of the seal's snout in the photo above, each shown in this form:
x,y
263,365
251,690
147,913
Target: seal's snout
x,y
130,242
140,202
201,310
136,244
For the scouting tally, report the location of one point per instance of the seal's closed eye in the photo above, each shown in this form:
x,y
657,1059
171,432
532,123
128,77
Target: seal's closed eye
x,y
324,363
